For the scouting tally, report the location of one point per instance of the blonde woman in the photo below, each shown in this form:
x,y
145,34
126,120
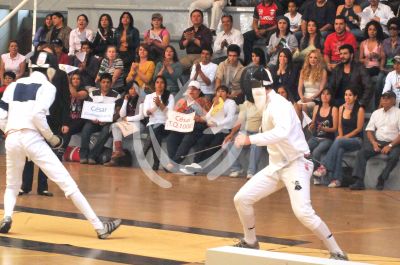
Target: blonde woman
x,y
313,78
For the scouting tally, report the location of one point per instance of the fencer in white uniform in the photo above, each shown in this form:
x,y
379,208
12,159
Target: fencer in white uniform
x,y
282,133
23,110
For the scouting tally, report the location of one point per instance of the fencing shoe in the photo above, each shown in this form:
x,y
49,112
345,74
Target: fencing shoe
x,y
109,227
243,244
5,225
339,256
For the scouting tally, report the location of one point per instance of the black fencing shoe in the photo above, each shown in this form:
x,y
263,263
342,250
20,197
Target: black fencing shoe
x,y
109,227
5,225
339,256
243,244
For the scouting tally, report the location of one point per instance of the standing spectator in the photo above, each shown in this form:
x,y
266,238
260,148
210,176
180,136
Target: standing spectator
x,y
170,68
80,34
102,95
89,68
322,12
383,131
127,39
335,40
204,72
312,40
8,78
313,78
371,50
351,122
216,11
282,39
324,126
284,74
379,12
229,73
157,37
392,82
113,65
226,37
350,10
156,106
59,31
350,73
41,33
62,57
142,71
293,16
104,36
264,23
12,61
194,39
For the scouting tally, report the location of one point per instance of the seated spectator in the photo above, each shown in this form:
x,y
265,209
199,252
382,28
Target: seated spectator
x,y
313,78
103,95
156,106
350,73
312,40
323,126
284,92
383,131
371,50
285,75
216,11
293,16
248,122
226,37
170,68
41,33
12,61
127,38
379,12
322,12
257,61
157,38
80,34
78,95
351,122
131,111
264,24
59,31
104,36
179,144
204,72
281,39
8,78
350,10
392,80
220,120
335,40
229,73
89,68
62,56
142,71
114,66
194,39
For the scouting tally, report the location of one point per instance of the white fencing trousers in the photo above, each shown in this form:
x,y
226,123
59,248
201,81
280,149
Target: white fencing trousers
x,y
29,143
216,10
295,176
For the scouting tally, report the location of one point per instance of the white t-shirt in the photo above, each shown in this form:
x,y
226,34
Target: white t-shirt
x,y
393,83
295,22
12,64
209,70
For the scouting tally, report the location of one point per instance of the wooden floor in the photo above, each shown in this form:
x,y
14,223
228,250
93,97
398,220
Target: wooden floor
x,y
177,225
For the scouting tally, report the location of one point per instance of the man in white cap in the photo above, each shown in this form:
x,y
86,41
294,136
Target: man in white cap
x,y
282,133
23,109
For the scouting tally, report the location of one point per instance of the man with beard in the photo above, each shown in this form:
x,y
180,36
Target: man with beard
x,y
282,133
349,73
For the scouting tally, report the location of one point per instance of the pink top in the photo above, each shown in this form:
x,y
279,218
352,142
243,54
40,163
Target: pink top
x,y
152,35
373,57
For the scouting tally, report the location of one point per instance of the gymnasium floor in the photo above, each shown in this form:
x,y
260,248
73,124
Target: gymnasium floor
x,y
176,225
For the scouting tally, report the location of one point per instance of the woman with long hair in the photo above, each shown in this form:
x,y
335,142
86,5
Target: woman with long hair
x,y
257,60
79,34
12,61
312,40
157,37
113,65
170,68
40,35
351,122
156,106
313,78
142,71
127,39
104,36
284,73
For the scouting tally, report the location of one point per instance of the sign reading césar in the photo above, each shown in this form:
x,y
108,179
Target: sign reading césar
x,y
102,112
179,122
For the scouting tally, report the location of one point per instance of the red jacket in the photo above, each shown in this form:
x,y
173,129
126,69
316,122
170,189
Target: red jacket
x,y
333,43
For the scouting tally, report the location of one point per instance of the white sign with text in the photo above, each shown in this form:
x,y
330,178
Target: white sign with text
x,y
102,112
179,122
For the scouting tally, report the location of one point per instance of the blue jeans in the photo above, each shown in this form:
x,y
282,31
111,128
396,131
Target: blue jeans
x,y
333,159
319,146
254,157
88,129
